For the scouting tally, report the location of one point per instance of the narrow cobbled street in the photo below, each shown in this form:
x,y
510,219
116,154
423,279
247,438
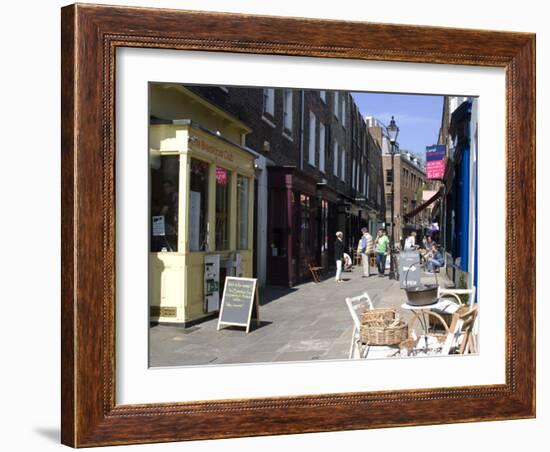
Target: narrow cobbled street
x,y
307,322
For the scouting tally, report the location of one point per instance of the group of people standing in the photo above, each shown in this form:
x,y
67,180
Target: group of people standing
x,y
430,253
380,246
365,248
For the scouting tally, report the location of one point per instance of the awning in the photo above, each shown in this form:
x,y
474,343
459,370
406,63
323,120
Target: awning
x,y
421,207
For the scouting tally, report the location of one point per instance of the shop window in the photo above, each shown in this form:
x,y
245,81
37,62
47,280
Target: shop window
x,y
164,203
198,205
242,212
223,192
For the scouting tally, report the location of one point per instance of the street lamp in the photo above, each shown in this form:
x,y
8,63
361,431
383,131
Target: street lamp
x,y
393,131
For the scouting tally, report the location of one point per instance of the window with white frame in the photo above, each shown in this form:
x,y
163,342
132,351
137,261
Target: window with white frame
x,y
358,181
269,101
353,169
336,105
343,111
311,158
343,170
335,158
287,110
323,96
322,149
366,185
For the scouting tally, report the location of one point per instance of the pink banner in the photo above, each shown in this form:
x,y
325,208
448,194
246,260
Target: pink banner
x,y
221,176
435,169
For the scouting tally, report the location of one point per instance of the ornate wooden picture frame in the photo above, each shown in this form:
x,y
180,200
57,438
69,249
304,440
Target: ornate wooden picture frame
x,y
90,37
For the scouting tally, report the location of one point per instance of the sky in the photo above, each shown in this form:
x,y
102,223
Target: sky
x,y
417,116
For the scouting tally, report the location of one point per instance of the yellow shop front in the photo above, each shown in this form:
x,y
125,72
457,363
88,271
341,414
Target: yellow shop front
x,y
201,205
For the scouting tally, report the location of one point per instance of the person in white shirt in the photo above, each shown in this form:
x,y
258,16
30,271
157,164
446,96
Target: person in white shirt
x,y
365,248
410,242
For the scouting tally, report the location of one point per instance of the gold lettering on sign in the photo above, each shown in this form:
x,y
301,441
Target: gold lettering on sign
x,y
163,311
226,155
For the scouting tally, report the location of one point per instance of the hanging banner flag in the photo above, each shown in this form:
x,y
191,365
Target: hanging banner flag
x,y
435,161
221,176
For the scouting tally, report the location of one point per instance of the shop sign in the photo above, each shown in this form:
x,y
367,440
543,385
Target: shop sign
x,y
163,311
435,161
409,271
211,149
239,302
221,176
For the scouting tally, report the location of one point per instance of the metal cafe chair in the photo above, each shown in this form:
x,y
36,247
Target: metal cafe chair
x,y
450,301
459,337
453,296
357,348
356,258
462,338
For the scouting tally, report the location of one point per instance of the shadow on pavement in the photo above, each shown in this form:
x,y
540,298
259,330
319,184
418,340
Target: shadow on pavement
x,y
272,293
253,326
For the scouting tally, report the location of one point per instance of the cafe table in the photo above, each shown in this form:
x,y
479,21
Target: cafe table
x,y
422,314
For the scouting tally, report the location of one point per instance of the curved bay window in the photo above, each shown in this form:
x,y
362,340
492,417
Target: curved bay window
x,y
198,205
242,212
200,211
164,203
223,195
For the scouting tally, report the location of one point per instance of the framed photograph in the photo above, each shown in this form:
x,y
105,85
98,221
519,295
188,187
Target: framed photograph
x,y
282,225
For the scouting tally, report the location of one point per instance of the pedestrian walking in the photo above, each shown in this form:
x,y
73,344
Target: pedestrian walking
x,y
381,244
339,255
365,248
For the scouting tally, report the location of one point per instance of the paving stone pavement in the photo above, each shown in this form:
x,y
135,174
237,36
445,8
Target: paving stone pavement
x,y
307,322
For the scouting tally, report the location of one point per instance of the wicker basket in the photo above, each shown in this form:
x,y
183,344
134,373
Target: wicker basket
x,y
382,327
377,315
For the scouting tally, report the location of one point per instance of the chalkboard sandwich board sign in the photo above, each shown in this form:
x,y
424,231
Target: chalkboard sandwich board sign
x,y
239,303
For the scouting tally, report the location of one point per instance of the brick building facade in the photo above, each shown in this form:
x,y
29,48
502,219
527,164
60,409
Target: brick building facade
x,y
410,181
322,173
